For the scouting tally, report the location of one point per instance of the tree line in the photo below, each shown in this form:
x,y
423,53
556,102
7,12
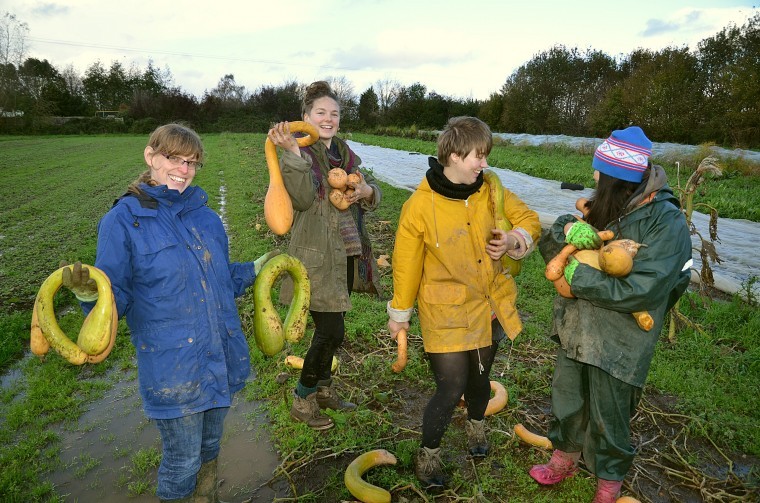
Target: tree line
x,y
709,94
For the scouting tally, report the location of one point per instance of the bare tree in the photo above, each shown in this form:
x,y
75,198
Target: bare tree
x,y
12,40
12,53
387,91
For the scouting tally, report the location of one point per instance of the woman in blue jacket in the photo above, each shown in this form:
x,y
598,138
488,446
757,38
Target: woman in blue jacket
x,y
166,254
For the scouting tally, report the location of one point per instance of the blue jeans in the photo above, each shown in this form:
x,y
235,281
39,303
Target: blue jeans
x,y
188,442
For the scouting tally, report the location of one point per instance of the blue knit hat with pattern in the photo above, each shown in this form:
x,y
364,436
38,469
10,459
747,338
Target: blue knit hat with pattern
x,y
624,155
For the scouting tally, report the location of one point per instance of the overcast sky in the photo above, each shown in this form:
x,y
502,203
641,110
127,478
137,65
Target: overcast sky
x,y
457,48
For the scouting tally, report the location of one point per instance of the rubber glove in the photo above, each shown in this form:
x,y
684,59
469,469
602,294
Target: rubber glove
x,y
259,262
572,265
77,279
583,236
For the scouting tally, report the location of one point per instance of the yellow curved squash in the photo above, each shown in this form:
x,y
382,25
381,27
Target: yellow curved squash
x,y
497,198
278,208
268,329
532,438
361,489
98,332
496,403
296,362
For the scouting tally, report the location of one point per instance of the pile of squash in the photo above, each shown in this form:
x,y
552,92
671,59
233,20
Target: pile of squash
x,y
340,183
615,258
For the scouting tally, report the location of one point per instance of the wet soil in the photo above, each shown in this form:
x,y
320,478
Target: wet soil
x,y
97,453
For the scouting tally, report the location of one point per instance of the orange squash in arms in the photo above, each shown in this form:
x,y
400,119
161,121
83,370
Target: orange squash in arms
x,y
278,208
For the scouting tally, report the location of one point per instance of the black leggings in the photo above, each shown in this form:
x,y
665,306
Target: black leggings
x,y
329,330
457,374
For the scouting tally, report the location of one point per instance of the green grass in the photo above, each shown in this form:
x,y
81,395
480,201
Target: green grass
x,y
55,190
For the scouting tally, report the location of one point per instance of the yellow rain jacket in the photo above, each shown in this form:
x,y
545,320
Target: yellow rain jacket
x,y
440,260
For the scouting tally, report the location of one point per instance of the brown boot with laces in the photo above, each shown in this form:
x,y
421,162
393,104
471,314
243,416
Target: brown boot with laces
x,y
428,468
327,398
307,411
476,438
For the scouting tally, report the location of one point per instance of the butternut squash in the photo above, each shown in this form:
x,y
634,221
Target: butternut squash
x,y
496,191
400,363
268,329
360,488
278,208
532,438
38,344
627,499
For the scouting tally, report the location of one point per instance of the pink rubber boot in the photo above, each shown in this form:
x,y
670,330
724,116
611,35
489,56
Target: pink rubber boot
x,y
607,491
561,466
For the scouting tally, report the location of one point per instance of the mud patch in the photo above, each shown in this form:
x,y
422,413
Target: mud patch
x,y
111,452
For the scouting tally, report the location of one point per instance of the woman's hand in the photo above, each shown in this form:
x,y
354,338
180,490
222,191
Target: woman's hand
x,y
362,190
498,246
280,135
394,327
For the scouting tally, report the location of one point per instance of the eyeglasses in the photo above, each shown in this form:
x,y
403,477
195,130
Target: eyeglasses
x,y
178,161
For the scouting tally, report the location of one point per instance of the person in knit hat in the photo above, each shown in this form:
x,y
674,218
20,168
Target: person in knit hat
x,y
603,356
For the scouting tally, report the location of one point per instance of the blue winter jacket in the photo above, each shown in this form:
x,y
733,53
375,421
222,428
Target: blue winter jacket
x,y
168,261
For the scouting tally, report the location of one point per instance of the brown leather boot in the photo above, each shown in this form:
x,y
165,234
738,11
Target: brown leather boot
x,y
327,398
428,468
307,411
476,438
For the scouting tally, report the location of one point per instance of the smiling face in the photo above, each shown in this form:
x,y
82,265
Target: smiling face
x,y
465,169
325,116
176,176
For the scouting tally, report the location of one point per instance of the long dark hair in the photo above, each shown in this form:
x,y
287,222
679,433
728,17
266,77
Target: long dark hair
x,y
610,199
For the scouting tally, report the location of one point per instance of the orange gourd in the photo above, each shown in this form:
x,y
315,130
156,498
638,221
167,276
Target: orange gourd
x,y
278,208
401,340
337,178
532,438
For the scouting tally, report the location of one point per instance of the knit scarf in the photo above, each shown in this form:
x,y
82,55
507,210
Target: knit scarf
x,y
439,183
339,155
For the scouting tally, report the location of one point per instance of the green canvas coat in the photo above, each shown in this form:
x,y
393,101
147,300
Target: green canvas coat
x,y
315,236
597,328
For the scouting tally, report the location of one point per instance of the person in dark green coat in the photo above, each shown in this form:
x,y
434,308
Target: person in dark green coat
x,y
604,356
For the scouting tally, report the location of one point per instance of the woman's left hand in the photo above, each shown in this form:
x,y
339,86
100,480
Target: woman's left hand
x,y
362,190
498,245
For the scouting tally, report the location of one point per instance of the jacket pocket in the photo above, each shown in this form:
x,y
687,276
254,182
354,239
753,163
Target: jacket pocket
x,y
168,367
159,267
238,353
443,306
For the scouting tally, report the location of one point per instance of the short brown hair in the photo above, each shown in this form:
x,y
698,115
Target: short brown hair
x,y
170,139
462,135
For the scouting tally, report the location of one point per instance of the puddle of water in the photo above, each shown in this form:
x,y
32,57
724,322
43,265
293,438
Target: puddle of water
x,y
97,452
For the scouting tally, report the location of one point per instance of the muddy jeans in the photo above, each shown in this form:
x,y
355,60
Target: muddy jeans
x,y
188,441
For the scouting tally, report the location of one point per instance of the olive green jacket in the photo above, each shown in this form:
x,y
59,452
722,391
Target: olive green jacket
x,y
315,237
597,328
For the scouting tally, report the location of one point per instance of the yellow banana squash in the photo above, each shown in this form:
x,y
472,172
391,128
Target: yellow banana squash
x,y
296,362
497,198
278,208
98,332
268,329
361,489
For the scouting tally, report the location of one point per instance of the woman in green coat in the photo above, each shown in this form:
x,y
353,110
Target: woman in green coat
x,y
604,356
332,243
